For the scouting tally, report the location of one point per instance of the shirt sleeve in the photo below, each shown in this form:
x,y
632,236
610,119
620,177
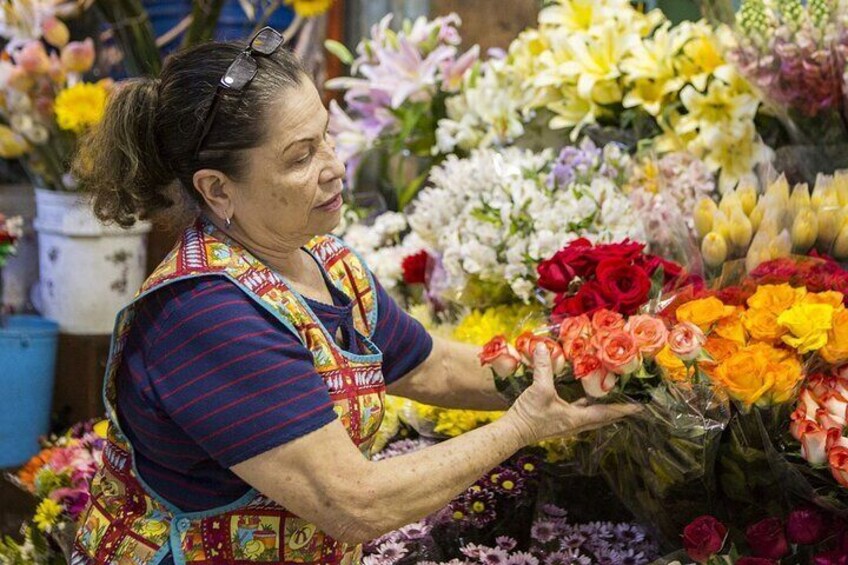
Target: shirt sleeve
x,y
402,339
231,376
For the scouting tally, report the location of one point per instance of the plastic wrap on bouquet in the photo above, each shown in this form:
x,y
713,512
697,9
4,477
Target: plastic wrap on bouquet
x,y
661,463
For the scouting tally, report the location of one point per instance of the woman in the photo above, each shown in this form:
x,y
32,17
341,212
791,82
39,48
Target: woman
x,y
246,381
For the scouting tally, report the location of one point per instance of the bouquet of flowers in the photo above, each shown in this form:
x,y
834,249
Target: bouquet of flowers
x,y
492,217
11,229
617,348
396,97
46,103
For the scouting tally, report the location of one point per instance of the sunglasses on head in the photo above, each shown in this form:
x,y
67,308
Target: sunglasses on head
x,y
239,74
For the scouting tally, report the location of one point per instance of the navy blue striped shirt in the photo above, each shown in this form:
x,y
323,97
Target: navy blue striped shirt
x,y
210,379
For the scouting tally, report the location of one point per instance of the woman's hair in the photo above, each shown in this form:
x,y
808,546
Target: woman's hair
x,y
149,134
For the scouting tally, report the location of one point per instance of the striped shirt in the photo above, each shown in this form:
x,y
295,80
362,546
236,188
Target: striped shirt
x,y
210,379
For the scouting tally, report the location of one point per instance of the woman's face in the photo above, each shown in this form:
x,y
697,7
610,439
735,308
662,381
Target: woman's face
x,y
293,184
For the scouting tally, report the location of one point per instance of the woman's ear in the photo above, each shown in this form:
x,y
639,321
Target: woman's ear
x,y
216,189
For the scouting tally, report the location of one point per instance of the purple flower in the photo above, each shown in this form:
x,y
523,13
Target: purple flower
x,y
509,482
554,510
628,557
544,531
414,531
629,534
494,556
391,552
506,543
567,558
573,541
523,558
473,551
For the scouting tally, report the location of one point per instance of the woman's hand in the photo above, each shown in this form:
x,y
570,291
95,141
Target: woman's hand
x,y
540,413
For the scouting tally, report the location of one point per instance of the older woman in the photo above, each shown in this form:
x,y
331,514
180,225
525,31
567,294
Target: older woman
x,y
246,381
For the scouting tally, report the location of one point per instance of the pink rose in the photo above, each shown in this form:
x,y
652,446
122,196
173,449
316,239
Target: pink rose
x,y
686,341
597,381
649,333
574,327
501,356
526,343
813,440
606,320
619,353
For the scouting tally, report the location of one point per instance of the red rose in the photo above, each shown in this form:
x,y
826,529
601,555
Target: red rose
x,y
625,251
703,538
835,557
623,284
588,300
767,538
777,270
415,268
734,295
573,260
806,526
755,561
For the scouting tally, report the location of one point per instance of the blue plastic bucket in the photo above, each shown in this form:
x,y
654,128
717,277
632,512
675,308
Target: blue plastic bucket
x,y
27,365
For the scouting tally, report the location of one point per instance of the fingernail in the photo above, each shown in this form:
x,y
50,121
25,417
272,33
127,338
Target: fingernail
x,y
540,349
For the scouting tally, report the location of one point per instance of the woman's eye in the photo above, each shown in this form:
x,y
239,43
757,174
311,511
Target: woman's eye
x,y
305,158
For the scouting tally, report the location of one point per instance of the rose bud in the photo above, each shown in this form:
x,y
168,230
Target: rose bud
x,y
686,341
806,526
501,356
55,32
767,539
703,538
78,56
33,58
813,440
837,458
597,382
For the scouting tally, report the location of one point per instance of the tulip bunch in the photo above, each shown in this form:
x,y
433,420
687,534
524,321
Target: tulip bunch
x,y
806,530
600,352
45,102
782,221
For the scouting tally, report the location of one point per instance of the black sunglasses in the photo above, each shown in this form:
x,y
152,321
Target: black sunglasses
x,y
240,72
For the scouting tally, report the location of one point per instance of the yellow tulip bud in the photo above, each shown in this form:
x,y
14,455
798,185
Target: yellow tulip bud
x,y
840,184
800,199
747,194
741,229
840,246
830,223
729,203
703,216
721,224
779,189
755,257
780,246
805,230
757,214
714,249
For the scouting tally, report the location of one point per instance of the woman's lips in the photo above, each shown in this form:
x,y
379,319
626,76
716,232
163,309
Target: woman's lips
x,y
333,204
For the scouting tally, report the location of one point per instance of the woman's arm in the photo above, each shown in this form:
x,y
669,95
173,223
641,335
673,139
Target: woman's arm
x,y
451,377
323,478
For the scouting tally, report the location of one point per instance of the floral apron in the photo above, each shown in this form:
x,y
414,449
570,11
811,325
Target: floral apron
x,y
126,522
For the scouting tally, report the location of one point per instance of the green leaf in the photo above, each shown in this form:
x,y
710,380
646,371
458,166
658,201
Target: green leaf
x,y
339,50
407,193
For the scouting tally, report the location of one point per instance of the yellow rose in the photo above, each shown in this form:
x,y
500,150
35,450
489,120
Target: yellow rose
x,y
808,325
836,350
744,375
705,312
786,375
732,327
672,367
776,297
831,297
762,324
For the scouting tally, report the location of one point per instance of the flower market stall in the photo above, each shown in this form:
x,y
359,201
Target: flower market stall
x,y
661,206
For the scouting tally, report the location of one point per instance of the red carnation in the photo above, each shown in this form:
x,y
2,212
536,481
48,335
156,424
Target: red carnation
x,y
415,268
703,538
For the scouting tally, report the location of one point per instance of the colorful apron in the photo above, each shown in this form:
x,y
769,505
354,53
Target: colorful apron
x,y
126,522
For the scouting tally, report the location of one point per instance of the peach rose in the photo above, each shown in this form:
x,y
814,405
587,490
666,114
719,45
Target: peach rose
x,y
650,334
686,340
574,327
606,320
837,458
619,353
596,380
526,343
500,356
576,347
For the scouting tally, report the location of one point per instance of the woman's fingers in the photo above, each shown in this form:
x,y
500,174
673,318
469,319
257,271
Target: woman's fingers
x,y
542,368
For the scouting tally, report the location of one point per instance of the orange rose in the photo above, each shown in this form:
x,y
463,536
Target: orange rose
x,y
649,333
837,458
775,297
596,380
607,320
526,344
831,297
574,327
762,324
500,356
759,374
732,327
619,353
704,313
720,350
836,349
577,346
672,367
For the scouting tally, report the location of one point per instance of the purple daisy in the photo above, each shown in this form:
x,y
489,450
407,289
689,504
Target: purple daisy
x,y
523,558
494,556
506,543
544,531
391,552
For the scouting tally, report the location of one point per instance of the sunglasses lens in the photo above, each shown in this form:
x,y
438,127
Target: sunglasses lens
x,y
266,41
240,73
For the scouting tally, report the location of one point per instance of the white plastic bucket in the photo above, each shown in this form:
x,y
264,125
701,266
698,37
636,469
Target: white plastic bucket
x,y
88,271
